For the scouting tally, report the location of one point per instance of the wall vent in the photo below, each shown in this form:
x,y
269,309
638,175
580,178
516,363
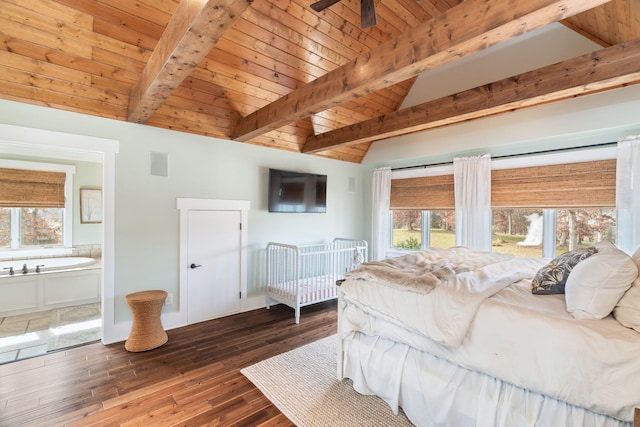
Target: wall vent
x,y
352,185
158,164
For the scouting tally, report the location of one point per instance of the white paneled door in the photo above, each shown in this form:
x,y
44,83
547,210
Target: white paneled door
x,y
214,262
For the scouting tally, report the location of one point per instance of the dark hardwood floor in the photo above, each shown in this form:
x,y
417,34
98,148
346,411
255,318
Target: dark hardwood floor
x,y
192,380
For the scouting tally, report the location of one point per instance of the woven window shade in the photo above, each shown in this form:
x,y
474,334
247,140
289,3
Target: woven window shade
x,y
31,189
570,185
424,193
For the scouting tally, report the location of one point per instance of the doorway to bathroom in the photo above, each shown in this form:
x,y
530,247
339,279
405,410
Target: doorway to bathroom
x,y
46,318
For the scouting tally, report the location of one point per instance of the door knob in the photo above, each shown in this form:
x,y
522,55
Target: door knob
x,y
195,265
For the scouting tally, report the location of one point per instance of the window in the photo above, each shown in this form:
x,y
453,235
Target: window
x,y
550,209
31,227
521,232
542,205
40,226
407,229
34,201
5,228
408,232
518,232
583,227
423,200
443,228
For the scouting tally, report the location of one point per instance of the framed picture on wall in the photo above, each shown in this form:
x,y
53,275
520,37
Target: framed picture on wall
x,y
90,205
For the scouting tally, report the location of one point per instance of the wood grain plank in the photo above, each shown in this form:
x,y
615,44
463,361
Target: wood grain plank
x,y
31,94
195,127
22,64
62,35
93,66
339,22
15,26
123,33
56,11
451,36
116,16
281,35
188,38
73,89
149,17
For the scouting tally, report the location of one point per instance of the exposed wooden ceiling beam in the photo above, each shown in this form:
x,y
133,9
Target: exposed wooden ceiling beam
x,y
463,30
605,69
193,30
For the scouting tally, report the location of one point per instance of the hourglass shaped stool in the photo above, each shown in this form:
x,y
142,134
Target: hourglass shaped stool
x,y
146,330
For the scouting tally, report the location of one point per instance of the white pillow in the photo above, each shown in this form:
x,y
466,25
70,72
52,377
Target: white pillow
x,y
636,257
605,245
597,283
627,311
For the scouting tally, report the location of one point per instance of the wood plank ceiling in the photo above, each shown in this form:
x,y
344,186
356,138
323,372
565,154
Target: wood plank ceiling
x,y
276,73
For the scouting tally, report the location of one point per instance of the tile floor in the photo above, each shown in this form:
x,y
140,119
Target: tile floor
x,y
35,334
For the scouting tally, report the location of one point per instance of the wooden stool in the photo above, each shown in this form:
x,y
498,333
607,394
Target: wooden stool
x,y
146,331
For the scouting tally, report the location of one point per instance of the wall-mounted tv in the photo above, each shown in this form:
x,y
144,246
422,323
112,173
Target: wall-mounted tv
x,y
297,192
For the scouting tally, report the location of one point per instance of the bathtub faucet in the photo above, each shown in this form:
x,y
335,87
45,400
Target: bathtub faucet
x,y
25,270
38,268
11,272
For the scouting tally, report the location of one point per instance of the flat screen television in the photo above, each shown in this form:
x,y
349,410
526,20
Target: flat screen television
x,y
297,192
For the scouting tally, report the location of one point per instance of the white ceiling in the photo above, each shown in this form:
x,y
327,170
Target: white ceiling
x,y
545,46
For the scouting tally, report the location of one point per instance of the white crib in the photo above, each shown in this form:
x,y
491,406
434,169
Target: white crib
x,y
302,275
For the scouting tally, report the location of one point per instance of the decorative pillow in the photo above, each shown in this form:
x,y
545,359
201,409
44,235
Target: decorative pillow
x,y
551,278
596,284
627,311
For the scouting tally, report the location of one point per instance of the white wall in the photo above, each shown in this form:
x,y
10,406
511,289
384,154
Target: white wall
x,y
146,217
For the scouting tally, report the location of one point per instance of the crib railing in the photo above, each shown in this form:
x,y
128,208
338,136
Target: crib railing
x,y
306,274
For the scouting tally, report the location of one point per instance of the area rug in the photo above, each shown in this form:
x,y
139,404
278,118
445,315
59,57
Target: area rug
x,y
302,384
72,326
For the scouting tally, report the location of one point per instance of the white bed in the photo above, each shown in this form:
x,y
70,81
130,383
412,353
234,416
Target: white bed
x,y
300,275
456,338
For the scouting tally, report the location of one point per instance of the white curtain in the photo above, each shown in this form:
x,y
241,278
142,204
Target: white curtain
x,y
380,225
472,184
628,193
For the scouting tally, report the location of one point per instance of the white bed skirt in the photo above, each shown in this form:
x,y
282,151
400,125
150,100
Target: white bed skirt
x,y
435,392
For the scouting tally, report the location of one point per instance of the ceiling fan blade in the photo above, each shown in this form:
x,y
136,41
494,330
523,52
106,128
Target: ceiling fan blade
x,y
368,13
323,4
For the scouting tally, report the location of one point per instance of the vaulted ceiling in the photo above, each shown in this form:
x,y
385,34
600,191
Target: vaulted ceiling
x,y
278,74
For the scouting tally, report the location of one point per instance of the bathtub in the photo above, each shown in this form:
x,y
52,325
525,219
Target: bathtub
x,y
46,264
62,282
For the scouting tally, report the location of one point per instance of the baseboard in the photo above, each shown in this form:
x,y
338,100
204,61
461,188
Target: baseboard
x,y
253,303
174,320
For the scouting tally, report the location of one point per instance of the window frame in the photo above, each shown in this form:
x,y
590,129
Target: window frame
x,y
545,159
67,213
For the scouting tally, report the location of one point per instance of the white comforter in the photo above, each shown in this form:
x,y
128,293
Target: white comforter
x,y
527,340
435,292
